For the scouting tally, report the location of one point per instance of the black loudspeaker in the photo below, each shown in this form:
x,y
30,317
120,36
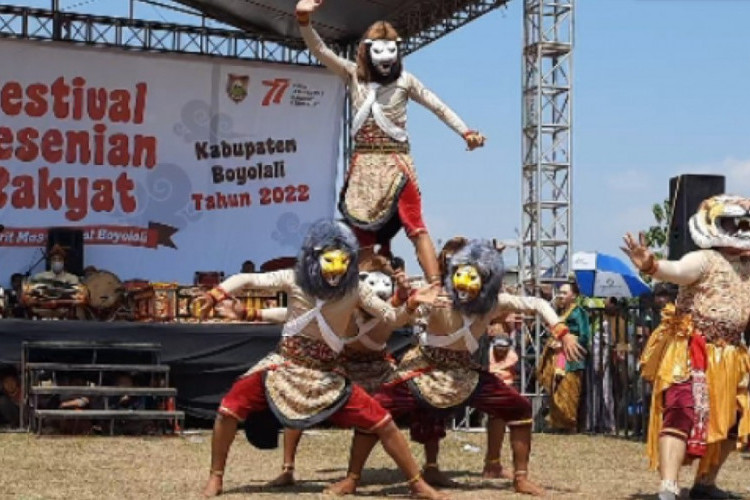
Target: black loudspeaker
x,y
686,193
72,242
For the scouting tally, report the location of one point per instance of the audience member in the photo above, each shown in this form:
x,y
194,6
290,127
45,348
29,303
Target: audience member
x,y
10,401
563,378
248,267
57,270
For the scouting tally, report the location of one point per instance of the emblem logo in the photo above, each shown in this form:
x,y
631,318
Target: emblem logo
x,y
237,86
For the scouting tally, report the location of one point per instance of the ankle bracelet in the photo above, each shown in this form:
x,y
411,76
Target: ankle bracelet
x,y
218,473
669,485
415,479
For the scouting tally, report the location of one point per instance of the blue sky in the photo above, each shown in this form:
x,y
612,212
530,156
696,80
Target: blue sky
x,y
659,90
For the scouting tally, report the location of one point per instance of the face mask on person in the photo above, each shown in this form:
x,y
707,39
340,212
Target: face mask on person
x,y
57,267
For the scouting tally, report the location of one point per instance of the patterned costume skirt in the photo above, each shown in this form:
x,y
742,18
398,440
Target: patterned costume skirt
x,y
369,369
443,381
677,354
439,378
298,387
370,196
564,388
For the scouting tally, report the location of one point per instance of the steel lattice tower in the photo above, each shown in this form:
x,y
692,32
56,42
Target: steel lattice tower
x,y
546,214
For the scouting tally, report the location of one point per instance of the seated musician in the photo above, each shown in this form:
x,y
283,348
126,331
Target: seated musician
x,y
57,268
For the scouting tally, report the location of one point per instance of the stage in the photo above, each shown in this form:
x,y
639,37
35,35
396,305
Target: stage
x,y
204,358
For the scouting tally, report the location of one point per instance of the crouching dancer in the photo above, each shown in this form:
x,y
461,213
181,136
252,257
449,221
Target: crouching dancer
x,y
301,384
441,375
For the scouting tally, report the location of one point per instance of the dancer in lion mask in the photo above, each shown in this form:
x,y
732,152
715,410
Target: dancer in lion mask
x,y
302,384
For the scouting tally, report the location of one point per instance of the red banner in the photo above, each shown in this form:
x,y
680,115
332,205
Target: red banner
x,y
153,236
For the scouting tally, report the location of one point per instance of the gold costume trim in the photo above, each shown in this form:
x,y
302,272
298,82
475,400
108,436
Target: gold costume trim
x,y
665,361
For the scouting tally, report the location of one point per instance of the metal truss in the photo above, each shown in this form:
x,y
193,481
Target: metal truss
x,y
136,34
427,21
546,214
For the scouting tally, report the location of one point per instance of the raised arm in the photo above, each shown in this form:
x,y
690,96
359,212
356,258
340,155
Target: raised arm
x,y
534,305
276,281
424,96
507,302
342,67
686,271
273,314
385,312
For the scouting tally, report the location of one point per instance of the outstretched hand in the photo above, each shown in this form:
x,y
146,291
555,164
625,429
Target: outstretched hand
x,y
202,306
474,140
638,251
573,350
308,6
401,281
426,295
230,309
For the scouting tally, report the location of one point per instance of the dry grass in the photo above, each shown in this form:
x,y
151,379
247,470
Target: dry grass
x,y
174,468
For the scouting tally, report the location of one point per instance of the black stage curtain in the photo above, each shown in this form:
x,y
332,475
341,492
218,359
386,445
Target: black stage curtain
x,y
204,358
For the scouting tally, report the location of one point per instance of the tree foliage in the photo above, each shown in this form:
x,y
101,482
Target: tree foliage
x,y
657,235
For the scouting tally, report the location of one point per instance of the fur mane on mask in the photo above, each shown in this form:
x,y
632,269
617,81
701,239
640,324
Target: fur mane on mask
x,y
326,235
489,262
366,72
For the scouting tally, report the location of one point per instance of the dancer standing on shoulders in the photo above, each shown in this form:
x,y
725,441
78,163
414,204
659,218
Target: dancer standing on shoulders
x,y
380,192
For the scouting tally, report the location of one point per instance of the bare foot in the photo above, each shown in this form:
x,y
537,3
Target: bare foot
x,y
435,477
420,489
347,486
286,478
522,485
496,471
213,487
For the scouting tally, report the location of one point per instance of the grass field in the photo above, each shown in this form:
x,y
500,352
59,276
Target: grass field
x,y
168,468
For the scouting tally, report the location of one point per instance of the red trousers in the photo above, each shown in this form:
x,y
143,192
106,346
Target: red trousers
x,y
409,213
493,397
679,411
248,395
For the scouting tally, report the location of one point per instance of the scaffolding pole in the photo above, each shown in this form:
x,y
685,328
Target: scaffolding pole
x,y
546,215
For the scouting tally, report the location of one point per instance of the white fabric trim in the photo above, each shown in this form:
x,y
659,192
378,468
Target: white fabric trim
x,y
464,333
365,327
295,326
371,105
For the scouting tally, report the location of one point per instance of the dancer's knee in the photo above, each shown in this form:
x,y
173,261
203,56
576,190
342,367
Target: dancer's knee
x,y
387,428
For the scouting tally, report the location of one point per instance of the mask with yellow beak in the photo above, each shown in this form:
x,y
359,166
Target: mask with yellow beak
x,y
467,283
334,263
327,266
474,278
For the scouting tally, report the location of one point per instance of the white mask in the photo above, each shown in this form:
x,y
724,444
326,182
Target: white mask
x,y
57,267
383,54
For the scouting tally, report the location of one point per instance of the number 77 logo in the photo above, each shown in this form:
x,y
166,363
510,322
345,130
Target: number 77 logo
x,y
276,91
